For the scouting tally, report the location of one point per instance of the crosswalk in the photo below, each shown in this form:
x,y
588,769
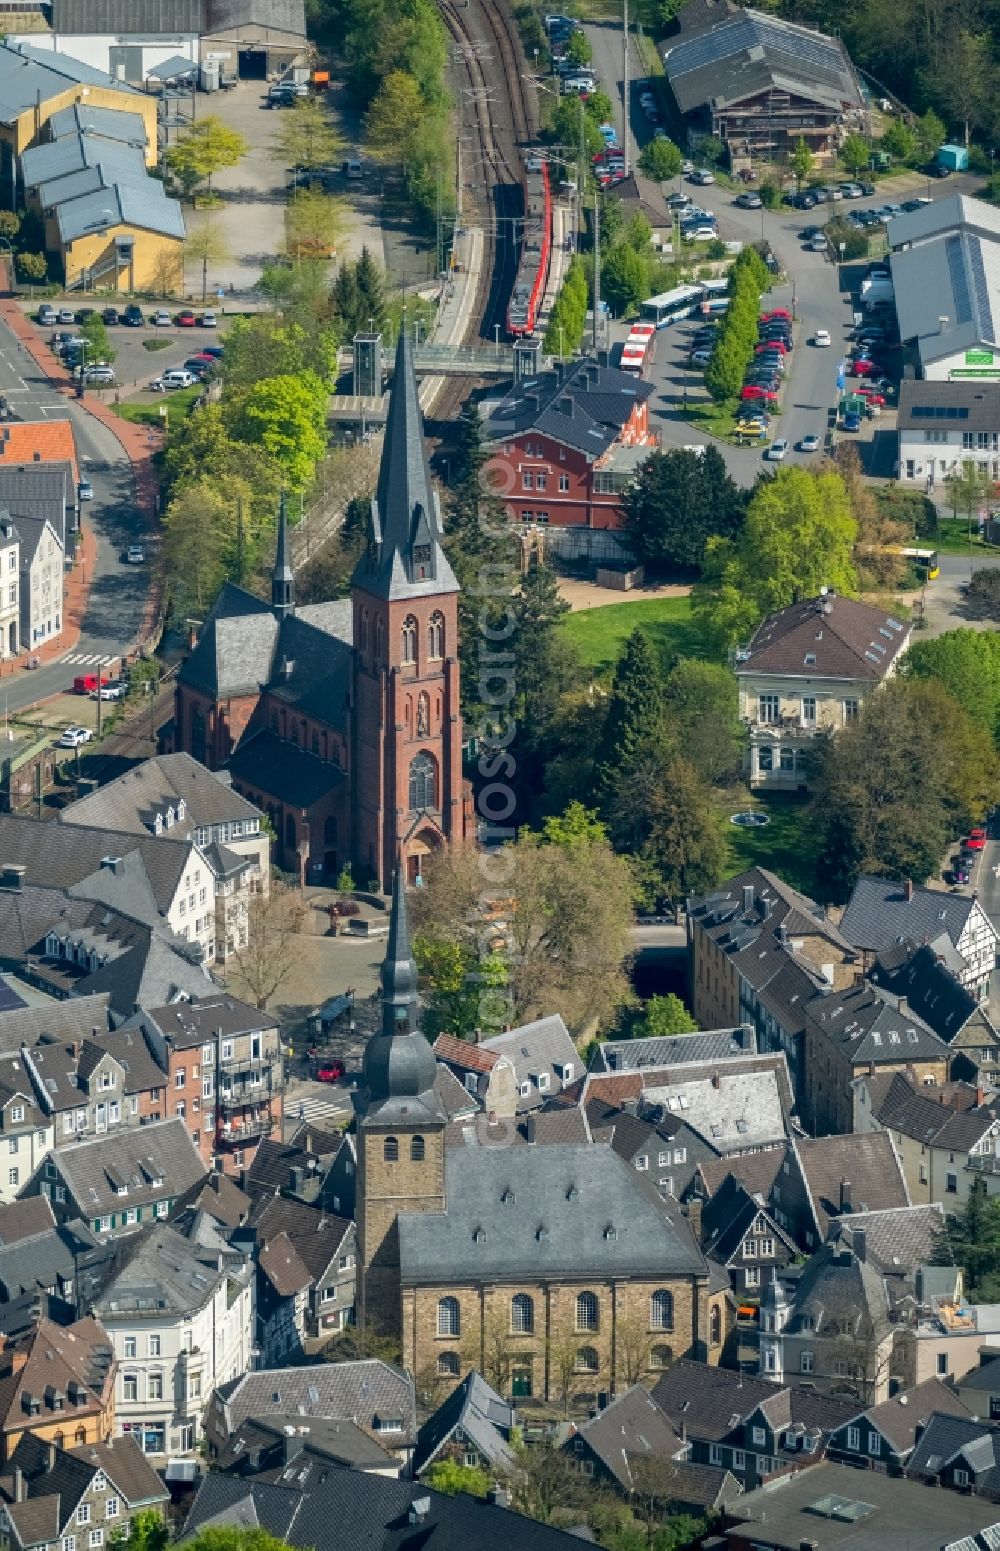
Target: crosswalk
x,y
89,660
327,1114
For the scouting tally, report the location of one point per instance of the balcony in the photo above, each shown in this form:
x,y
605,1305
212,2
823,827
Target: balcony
x,y
252,1129
788,725
263,1063
983,1163
243,1097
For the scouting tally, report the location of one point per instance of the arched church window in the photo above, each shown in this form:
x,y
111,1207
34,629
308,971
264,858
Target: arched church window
x,y
423,782
365,629
409,639
379,638
435,636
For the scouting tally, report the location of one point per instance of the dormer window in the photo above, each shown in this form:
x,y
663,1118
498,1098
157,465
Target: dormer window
x,y
170,818
122,1190
158,824
181,809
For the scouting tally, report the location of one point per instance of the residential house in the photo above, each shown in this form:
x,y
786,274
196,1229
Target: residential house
x,y
825,1177
69,1020
25,1126
176,797
224,1072
144,1082
342,1509
946,1335
566,441
943,1149
486,1074
739,1234
632,1447
979,1389
218,1197
303,1170
881,912
41,582
45,1262
79,1089
280,1442
282,1295
632,1055
835,1509
58,1384
757,951
472,1427
935,993
903,1244
667,1150
755,1171
835,1332
805,673
761,84
377,1396
849,1034
10,588
120,1181
883,1437
752,1427
636,195
83,1496
544,1058
24,1218
181,1319
943,425
45,490
324,1245
958,1451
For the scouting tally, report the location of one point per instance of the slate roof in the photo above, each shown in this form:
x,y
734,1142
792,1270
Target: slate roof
x,y
743,54
879,913
191,1023
956,1439
130,804
283,1266
713,1402
626,1055
129,1049
899,1419
38,490
838,1293
315,1235
361,1391
162,1151
561,1211
73,1019
731,1110
163,1274
127,1468
261,1448
236,645
870,1164
930,988
728,1217
631,1428
826,638
60,856
538,1127
756,1171
978,401
870,1025
535,1049
29,75
277,15
356,1510
271,765
896,1241
481,1414
639,195
219,1196
110,123
596,401
46,1260
24,1218
921,1114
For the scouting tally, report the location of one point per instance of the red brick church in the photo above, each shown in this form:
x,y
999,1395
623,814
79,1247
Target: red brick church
x,y
342,720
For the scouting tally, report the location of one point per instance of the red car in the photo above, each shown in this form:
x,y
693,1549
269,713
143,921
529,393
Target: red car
x,y
776,313
863,367
751,391
976,840
186,319
870,394
771,344
330,1071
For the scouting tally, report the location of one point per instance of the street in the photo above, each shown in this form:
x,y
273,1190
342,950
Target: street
x,y
118,594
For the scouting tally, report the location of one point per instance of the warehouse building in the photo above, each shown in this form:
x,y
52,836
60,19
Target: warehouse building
x,y
949,251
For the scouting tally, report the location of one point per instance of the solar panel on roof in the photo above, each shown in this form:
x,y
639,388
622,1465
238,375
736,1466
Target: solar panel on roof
x,y
981,288
959,279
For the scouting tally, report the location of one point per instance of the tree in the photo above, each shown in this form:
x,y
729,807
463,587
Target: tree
x,y
569,122
168,272
263,347
665,1016
578,50
965,78
356,1342
711,149
967,663
703,716
264,962
208,147
568,317
882,531
634,719
32,267
92,329
200,530
147,1532
305,136
801,162
971,1239
546,1480
624,279
206,245
452,1478
370,283
10,224
497,1349
968,488
561,1362
631,1346
930,132
287,417
393,116
901,141
679,501
454,984
660,160
685,852
225,1537
725,370
854,154
798,537
313,223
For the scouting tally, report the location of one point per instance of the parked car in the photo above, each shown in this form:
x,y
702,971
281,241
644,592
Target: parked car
x,y
110,316
73,737
99,375
937,171
700,357
208,320
752,391
959,874
821,338
777,450
702,232
186,319
678,201
177,377
215,351
749,201
132,316
200,366
809,443
67,315
47,315
160,318
330,1071
84,490
819,245
115,691
775,314
135,555
852,421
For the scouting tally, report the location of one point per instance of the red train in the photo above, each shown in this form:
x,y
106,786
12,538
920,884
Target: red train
x,y
536,246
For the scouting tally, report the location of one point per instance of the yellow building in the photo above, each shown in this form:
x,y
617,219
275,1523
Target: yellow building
x,y
58,1383
127,238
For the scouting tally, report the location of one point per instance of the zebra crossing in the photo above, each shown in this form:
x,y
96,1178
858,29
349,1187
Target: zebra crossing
x,y
327,1114
89,660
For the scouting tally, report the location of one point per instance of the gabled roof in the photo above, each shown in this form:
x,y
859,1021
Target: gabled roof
x,y
829,637
57,1357
315,1235
729,1216
31,75
24,1218
931,989
109,123
924,1115
219,1197
479,1413
73,1019
543,1048
867,1163
156,1162
464,1054
732,1110
362,1391
143,205
899,1419
56,158
163,1273
582,404
283,1266
897,1241
838,1294
627,1055
870,1025
756,1171
712,1402
956,1438
155,788
266,763
52,440
744,53
882,911
56,855
630,1429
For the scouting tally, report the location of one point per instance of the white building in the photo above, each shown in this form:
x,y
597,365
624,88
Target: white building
x,y
946,276
180,1316
10,590
41,581
806,672
943,425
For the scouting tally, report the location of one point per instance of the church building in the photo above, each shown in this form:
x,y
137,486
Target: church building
x,y
342,720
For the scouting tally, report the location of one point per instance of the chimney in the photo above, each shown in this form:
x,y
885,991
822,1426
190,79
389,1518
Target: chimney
x,y
529,1130
74,1049
297,1180
902,1004
907,888
13,877
694,1208
111,863
781,932
17,1361
716,1080
747,898
860,1242
565,405
307,1142
845,1195
498,1496
50,1463
683,1432
19,1492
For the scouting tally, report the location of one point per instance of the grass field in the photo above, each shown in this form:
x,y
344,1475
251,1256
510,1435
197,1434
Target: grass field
x,y
600,634
786,846
179,404
953,539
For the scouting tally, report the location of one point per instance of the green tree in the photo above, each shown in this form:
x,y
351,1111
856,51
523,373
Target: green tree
x,y
393,117
726,367
968,488
971,1239
146,1532
286,416
206,245
711,149
92,329
568,121
313,224
801,162
208,147
225,1537
578,49
370,282
568,317
452,1478
965,77
798,537
685,852
199,543
635,715
10,224
305,136
679,501
663,1017
901,141
660,160
854,154
266,346
703,716
453,984
967,663
624,279
32,267
576,826
930,131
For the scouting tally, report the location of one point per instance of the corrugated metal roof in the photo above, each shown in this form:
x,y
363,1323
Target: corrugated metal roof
x,y
123,205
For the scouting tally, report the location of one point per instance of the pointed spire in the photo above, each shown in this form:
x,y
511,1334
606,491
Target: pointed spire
x,y
399,972
283,577
404,556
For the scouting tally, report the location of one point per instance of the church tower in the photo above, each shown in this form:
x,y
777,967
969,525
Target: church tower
x,y
407,729
401,1124
283,576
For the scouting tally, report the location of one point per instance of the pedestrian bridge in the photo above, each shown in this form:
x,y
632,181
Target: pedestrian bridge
x,y
483,360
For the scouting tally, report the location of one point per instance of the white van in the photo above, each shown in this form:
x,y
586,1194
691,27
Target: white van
x,y
178,377
573,85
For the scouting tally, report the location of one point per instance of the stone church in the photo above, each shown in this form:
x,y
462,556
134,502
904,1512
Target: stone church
x,y
342,720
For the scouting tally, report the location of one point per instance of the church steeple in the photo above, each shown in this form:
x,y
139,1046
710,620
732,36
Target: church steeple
x,y
404,557
283,577
399,972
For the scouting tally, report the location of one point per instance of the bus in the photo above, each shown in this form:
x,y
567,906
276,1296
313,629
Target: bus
x,y
633,359
714,306
670,306
924,562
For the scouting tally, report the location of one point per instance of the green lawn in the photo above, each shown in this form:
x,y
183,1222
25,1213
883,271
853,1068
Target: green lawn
x,y
952,538
786,846
600,634
179,404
